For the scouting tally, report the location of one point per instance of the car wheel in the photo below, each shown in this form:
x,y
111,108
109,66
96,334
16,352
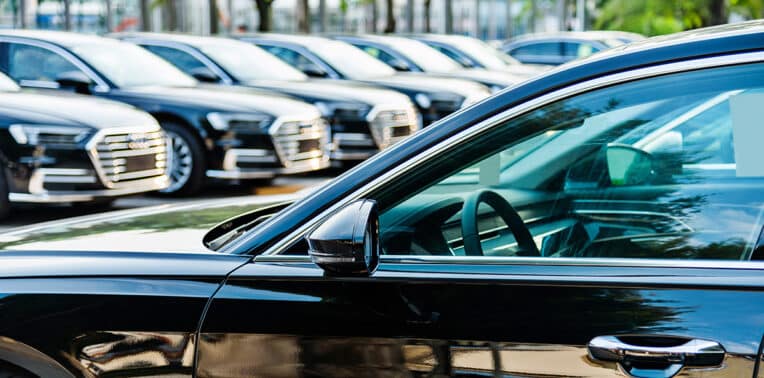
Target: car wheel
x,y
5,205
186,161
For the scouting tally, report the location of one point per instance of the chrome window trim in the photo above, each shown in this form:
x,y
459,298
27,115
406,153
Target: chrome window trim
x,y
533,104
101,85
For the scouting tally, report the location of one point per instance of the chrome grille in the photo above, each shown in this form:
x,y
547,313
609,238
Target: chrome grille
x,y
394,125
300,140
132,155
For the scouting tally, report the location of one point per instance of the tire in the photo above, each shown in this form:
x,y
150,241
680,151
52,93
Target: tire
x,y
187,165
5,205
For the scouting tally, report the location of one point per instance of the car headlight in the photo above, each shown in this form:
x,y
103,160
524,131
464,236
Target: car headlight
x,y
424,101
239,121
342,109
49,135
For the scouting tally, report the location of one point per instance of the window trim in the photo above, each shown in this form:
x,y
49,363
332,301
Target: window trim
x,y
101,85
425,156
301,50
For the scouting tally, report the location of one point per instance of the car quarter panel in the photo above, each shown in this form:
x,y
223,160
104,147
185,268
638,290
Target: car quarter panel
x,y
460,319
101,314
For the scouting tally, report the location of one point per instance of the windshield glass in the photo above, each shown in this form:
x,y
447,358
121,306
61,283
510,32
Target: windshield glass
x,y
427,58
127,65
7,85
350,61
247,62
483,53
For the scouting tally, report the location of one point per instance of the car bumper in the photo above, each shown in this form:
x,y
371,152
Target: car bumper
x,y
235,157
118,190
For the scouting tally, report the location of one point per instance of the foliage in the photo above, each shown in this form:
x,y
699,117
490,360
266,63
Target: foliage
x,y
655,17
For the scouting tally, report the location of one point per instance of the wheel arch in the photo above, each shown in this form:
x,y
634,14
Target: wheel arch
x,y
31,359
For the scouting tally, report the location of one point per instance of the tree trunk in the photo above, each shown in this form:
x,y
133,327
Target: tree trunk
x,y
390,16
303,16
67,15
108,19
410,16
145,16
449,16
214,17
427,18
265,13
510,21
170,16
374,16
718,12
322,16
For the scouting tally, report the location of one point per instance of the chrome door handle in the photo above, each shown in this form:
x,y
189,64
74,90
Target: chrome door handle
x,y
655,356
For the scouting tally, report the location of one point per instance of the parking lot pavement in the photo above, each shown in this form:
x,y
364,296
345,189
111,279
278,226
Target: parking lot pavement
x,y
26,215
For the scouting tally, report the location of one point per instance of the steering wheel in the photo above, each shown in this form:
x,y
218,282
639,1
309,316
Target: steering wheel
x,y
470,234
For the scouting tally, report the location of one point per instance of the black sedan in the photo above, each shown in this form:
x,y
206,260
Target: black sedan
x,y
363,119
320,57
602,220
216,133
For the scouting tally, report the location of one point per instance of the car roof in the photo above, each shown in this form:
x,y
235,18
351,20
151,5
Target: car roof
x,y
186,39
61,38
297,39
591,35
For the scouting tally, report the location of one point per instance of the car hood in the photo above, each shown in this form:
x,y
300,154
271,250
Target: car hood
x,y
164,228
335,90
493,78
70,110
226,99
427,83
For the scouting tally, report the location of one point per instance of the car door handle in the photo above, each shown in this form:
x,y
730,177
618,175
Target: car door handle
x,y
655,356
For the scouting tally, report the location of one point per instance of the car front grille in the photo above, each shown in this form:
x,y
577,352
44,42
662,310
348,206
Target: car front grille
x,y
296,141
131,155
393,125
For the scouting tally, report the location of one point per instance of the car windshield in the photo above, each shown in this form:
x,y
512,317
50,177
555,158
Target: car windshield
x,y
350,61
247,62
427,58
7,84
127,65
483,53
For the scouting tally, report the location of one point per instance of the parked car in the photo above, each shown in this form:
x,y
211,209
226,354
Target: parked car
x,y
409,55
562,47
62,149
320,57
601,236
230,134
473,53
363,119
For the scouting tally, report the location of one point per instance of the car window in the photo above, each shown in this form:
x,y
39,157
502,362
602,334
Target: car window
x,y
382,55
576,50
660,168
461,59
32,63
541,48
183,60
293,58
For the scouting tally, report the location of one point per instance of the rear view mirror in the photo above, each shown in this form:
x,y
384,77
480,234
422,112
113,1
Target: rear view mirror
x,y
627,165
204,74
76,81
347,244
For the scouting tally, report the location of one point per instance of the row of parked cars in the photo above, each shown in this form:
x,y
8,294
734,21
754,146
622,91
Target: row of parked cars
x,y
142,112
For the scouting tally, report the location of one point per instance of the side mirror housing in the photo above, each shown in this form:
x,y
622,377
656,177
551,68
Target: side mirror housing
x,y
204,74
629,165
76,81
399,65
347,244
313,70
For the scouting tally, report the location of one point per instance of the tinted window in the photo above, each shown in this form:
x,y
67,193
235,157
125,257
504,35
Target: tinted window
x,y
293,58
662,168
183,60
382,55
578,50
541,48
27,62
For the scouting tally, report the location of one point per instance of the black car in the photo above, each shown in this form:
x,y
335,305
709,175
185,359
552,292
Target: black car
x,y
321,57
363,119
602,220
558,48
473,53
409,55
62,149
232,134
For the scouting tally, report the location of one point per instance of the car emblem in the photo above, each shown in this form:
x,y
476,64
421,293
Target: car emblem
x,y
137,141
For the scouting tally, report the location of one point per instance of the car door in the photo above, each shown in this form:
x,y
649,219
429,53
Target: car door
x,y
610,232
36,66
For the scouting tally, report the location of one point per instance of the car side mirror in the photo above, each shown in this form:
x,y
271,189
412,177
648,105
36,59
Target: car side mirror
x,y
204,74
347,244
75,81
313,70
399,65
627,165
